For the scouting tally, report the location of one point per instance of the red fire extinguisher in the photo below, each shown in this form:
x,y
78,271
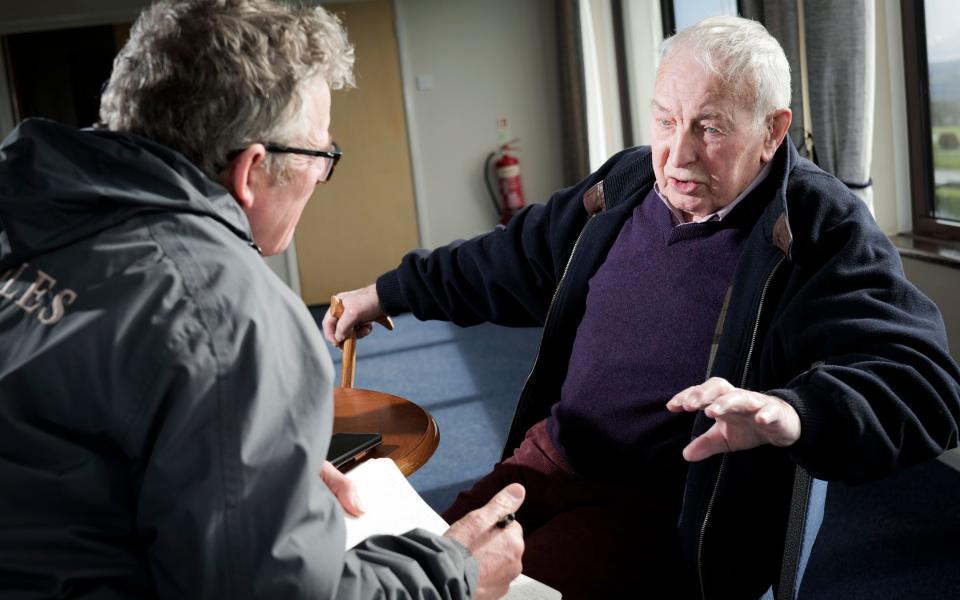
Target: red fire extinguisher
x,y
509,197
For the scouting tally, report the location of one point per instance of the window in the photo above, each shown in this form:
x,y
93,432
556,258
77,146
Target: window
x,y
677,15
931,45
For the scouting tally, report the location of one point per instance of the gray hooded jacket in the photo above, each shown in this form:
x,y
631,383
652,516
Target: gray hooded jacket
x,y
165,401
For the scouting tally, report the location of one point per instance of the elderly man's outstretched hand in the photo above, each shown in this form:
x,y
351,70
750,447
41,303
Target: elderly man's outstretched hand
x,y
744,419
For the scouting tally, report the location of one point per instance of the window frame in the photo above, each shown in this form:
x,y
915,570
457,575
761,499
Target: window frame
x,y
667,18
919,136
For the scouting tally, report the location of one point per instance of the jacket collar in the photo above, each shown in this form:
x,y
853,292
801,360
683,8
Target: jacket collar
x,y
629,181
776,218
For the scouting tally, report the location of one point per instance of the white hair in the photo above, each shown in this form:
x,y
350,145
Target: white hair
x,y
743,54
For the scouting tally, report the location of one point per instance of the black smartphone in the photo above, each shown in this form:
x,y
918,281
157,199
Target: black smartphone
x,y
345,447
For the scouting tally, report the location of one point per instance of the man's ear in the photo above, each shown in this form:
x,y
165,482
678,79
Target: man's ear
x,y
243,176
775,129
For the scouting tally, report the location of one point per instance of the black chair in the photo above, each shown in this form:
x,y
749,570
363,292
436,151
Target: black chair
x,y
806,517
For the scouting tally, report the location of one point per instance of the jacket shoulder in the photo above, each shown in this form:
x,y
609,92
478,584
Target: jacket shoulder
x,y
619,179
824,212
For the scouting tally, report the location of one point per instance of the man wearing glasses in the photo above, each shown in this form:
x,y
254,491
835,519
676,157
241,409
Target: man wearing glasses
x,y
273,226
165,401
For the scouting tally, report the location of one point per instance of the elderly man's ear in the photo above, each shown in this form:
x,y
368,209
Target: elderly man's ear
x,y
242,176
775,129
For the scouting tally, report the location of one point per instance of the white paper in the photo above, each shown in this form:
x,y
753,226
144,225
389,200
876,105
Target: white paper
x,y
526,588
393,507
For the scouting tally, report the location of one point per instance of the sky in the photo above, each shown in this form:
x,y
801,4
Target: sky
x,y
943,30
688,12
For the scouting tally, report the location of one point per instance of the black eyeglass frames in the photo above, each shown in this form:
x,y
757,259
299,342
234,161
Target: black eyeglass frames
x,y
333,155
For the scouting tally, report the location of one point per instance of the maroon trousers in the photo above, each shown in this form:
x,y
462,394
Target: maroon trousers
x,y
588,539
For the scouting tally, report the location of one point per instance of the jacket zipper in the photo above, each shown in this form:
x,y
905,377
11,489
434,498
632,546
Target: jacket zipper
x,y
723,460
553,299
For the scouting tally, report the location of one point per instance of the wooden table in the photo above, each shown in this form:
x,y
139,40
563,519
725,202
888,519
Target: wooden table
x,y
410,435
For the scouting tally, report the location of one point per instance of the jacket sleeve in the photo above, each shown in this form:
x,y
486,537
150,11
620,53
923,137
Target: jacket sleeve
x,y
230,503
506,276
878,389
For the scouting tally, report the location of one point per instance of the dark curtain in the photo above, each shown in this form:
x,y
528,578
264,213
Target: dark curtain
x,y
840,41
573,106
780,19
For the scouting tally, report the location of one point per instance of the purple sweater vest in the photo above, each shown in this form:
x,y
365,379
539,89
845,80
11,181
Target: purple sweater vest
x,y
651,312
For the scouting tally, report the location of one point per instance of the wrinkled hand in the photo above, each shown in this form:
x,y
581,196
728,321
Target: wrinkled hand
x,y
497,551
344,489
360,308
744,419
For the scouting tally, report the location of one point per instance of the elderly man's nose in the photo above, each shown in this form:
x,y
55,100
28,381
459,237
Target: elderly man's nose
x,y
683,151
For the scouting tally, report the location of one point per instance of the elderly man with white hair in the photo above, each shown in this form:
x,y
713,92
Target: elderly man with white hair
x,y
716,310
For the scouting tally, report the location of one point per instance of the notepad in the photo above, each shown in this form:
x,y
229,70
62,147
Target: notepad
x,y
394,507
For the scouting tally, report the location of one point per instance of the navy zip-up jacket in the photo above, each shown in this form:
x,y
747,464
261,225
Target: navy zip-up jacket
x,y
820,314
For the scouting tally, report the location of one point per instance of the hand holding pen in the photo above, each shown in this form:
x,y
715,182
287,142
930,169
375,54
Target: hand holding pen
x,y
495,539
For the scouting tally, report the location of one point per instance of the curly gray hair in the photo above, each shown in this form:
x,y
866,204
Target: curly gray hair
x,y
205,77
743,54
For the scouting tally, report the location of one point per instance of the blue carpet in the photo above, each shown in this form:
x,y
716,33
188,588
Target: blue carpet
x,y
468,379
898,538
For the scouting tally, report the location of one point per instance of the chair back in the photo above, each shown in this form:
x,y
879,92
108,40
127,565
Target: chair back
x,y
806,516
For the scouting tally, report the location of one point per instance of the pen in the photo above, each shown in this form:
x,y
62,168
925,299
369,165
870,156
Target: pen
x,y
506,520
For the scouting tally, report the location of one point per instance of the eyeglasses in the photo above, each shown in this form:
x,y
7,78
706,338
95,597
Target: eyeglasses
x,y
333,156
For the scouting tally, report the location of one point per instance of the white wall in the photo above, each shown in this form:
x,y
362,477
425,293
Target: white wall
x,y
485,59
942,285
